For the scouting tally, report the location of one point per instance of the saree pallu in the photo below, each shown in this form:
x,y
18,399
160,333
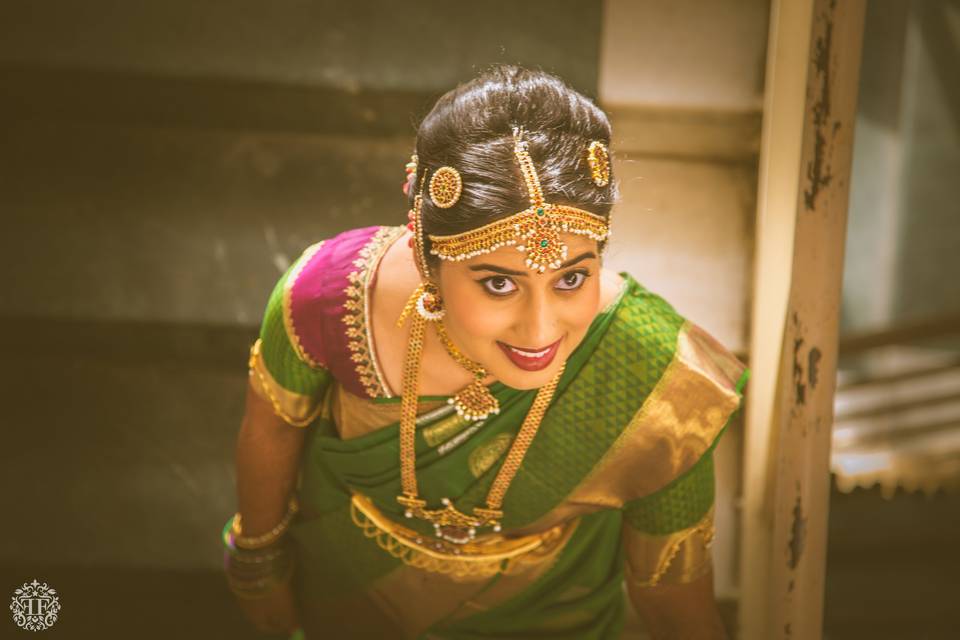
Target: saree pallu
x,y
617,484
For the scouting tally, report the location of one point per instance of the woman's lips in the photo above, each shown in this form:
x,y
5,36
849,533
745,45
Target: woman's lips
x,y
531,359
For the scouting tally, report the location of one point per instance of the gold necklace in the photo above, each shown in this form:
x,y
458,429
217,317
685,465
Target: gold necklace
x,y
448,522
473,402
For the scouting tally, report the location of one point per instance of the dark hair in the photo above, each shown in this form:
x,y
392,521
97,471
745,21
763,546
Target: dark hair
x,y
471,127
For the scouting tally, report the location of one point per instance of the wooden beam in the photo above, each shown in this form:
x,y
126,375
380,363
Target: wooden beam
x,y
807,140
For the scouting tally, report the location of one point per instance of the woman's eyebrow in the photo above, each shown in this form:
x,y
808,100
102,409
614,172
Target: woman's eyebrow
x,y
579,258
512,272
495,268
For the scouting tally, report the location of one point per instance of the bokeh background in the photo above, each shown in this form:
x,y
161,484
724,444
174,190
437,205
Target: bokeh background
x,y
161,164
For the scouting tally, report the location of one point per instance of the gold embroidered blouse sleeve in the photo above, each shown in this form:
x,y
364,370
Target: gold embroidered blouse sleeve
x,y
678,557
280,371
667,535
669,528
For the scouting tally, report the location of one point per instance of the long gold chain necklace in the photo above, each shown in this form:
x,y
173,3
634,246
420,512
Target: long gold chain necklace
x,y
448,522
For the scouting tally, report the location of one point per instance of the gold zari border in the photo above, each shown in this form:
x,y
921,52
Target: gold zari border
x,y
287,303
357,311
295,409
650,558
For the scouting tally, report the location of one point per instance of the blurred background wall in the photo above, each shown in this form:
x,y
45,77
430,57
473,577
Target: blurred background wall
x,y
904,208
683,83
163,163
177,155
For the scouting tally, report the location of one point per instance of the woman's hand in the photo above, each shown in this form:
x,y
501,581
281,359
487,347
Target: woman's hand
x,y
275,612
680,611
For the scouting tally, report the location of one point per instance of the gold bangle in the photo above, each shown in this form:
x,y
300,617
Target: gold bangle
x,y
265,539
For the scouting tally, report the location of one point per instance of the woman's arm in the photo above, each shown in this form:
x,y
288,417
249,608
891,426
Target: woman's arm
x,y
669,575
268,459
679,611
268,454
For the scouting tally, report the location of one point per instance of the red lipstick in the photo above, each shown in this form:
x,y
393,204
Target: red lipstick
x,y
531,359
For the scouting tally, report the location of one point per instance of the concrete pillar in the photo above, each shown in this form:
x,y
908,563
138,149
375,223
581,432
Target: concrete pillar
x,y
805,160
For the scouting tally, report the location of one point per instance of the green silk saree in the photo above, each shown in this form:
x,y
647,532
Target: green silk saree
x,y
618,482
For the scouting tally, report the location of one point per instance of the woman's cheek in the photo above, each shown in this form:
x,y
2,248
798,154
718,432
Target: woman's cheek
x,y
578,317
482,321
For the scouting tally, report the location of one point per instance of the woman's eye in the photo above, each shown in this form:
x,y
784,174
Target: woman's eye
x,y
499,285
572,280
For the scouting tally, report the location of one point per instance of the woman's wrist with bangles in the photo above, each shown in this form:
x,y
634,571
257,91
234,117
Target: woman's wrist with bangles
x,y
256,565
264,539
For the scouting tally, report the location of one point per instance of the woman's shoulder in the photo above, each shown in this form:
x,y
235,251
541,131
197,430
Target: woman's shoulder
x,y
654,324
643,322
649,326
328,261
324,298
680,381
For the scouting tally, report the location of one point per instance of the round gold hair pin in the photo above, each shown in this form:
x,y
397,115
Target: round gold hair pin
x,y
445,187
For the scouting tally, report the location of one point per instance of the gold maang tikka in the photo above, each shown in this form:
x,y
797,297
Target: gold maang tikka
x,y
535,230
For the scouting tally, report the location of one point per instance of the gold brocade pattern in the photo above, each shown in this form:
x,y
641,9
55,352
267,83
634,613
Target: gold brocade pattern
x,y
295,409
482,557
675,558
287,306
356,316
484,457
444,429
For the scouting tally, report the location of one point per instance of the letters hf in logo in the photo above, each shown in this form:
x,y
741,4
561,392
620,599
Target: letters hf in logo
x,y
35,606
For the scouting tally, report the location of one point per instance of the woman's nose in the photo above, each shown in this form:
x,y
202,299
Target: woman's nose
x,y
537,325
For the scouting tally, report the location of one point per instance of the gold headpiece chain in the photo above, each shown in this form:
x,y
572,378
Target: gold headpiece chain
x,y
535,230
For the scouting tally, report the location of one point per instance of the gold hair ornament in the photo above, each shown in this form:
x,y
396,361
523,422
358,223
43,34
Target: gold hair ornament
x,y
599,160
535,230
446,185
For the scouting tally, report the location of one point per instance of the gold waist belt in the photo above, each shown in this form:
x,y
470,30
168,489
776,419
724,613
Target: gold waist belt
x,y
484,556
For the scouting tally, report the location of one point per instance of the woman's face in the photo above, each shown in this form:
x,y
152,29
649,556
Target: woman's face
x,y
521,326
